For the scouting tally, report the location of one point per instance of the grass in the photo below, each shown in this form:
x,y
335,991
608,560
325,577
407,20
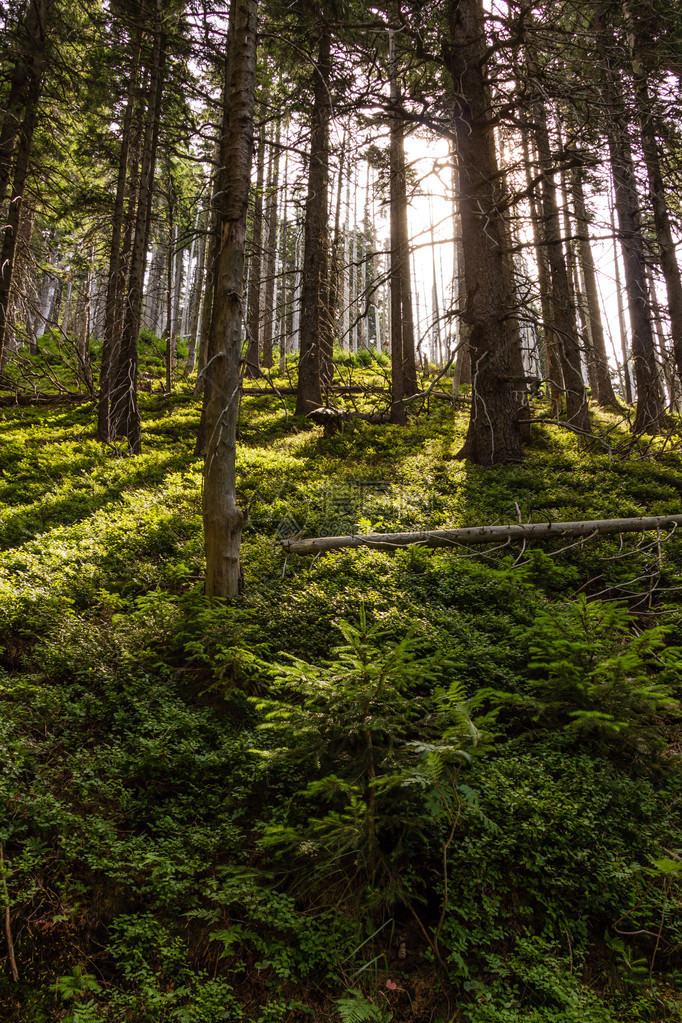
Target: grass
x,y
185,835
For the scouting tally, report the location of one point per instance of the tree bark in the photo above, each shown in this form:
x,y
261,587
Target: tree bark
x,y
36,59
256,268
271,252
564,325
116,278
197,294
657,191
403,364
315,354
221,514
603,387
124,409
649,409
493,436
335,261
30,42
551,366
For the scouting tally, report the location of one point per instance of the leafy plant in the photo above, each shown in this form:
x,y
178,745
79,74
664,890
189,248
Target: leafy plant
x,y
591,673
354,1007
384,738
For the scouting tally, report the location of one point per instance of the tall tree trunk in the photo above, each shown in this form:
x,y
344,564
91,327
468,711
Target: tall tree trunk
x,y
116,278
315,354
271,251
170,305
335,262
649,407
124,409
493,436
255,273
657,192
36,59
564,321
221,514
30,42
550,359
210,285
604,394
197,294
403,364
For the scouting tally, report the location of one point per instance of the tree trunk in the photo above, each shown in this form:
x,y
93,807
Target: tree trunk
x,y
30,42
37,63
403,364
315,352
115,283
170,305
221,514
255,273
551,366
493,436
209,287
335,262
564,325
197,294
649,408
271,252
124,410
657,192
603,387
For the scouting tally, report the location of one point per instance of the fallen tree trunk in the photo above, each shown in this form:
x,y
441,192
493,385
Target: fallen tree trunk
x,y
27,399
470,535
336,389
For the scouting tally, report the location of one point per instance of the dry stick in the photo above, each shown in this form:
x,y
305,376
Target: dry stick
x,y
8,922
472,535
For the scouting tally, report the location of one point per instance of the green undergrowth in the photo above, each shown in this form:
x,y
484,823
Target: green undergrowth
x,y
420,785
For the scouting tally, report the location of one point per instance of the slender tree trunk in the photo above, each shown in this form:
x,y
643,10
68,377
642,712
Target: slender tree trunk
x,y
624,362
518,372
564,321
462,367
550,358
657,191
196,301
271,252
115,284
284,263
170,319
315,354
649,407
403,363
493,436
335,263
37,64
255,274
25,83
209,287
124,409
603,387
221,514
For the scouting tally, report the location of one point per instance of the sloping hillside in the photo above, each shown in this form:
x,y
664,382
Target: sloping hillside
x,y
421,785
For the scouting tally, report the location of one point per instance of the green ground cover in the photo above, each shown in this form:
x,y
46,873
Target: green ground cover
x,y
424,785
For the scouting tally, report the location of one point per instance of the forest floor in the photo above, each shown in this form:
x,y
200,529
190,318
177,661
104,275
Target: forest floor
x,y
422,785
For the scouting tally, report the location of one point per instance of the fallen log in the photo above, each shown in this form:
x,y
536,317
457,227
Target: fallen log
x,y
58,398
336,389
471,535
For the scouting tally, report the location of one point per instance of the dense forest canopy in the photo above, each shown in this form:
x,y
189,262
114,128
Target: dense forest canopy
x,y
356,281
